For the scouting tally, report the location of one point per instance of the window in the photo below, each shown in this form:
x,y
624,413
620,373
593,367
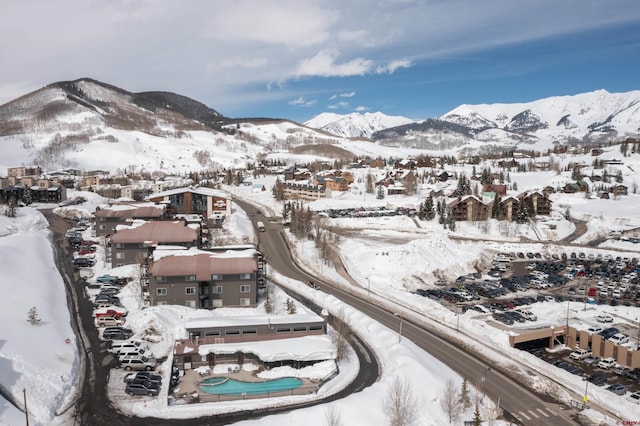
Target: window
x,y
245,276
216,303
161,291
190,290
216,277
119,255
190,303
161,303
245,288
315,327
161,279
190,278
250,331
300,328
119,245
283,330
212,333
245,301
231,332
216,289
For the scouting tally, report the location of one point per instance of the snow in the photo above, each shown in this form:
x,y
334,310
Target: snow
x,y
394,257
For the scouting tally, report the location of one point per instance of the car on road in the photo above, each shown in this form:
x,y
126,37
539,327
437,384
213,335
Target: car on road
x,y
617,388
148,388
579,354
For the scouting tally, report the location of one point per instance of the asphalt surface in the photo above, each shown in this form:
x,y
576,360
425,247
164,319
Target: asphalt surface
x,y
93,406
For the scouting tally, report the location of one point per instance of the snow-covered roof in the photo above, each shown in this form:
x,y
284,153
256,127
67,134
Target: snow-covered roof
x,y
233,320
307,348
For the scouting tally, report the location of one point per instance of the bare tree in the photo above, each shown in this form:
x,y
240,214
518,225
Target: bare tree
x,y
341,334
492,411
332,417
399,405
450,402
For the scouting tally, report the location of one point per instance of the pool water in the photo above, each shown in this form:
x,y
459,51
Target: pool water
x,y
226,386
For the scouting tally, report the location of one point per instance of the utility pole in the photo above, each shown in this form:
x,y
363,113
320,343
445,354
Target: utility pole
x,y
399,329
26,410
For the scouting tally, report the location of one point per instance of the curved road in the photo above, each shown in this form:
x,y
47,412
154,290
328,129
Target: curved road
x,y
519,403
93,406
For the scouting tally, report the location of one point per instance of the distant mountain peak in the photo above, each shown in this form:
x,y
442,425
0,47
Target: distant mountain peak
x,y
355,124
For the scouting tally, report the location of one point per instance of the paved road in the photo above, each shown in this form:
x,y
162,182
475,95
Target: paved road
x,y
93,406
520,404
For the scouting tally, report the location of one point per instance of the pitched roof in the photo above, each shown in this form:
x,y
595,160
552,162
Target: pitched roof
x,y
131,210
202,266
155,232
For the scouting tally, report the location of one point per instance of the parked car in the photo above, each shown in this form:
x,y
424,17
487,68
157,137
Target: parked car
x,y
530,316
134,352
597,379
117,347
606,363
143,375
148,388
621,370
634,374
604,318
110,311
579,354
138,363
591,359
608,332
107,279
617,388
594,329
619,339
109,321
116,333
83,262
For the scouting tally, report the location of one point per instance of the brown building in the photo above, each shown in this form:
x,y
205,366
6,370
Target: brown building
x,y
109,216
209,203
207,280
133,244
469,208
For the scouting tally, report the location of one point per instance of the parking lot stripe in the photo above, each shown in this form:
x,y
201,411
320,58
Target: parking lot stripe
x,y
543,412
524,415
533,413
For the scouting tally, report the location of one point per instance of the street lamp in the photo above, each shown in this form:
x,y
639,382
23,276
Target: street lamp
x,y
368,286
400,329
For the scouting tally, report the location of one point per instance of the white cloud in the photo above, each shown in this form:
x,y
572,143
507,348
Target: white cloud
x,y
324,64
271,23
392,66
338,105
301,102
342,95
361,108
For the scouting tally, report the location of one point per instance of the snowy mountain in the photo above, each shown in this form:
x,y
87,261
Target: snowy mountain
x,y
355,124
596,116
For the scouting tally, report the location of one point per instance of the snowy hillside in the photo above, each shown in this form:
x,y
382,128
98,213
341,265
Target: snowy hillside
x,y
355,124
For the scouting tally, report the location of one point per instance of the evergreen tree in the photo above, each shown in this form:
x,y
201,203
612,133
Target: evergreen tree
x,y
380,194
369,184
477,421
464,394
495,207
429,213
521,214
451,221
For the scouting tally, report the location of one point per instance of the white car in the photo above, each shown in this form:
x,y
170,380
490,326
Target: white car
x,y
619,339
604,318
579,354
594,329
606,363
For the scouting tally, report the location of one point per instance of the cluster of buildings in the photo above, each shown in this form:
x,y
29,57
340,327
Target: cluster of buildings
x,y
26,184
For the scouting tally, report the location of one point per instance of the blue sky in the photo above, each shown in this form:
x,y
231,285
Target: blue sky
x,y
295,59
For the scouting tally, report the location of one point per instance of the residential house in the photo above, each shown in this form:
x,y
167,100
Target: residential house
x,y
23,171
573,187
303,191
538,201
47,191
469,208
134,244
500,190
507,208
619,190
207,280
294,173
108,217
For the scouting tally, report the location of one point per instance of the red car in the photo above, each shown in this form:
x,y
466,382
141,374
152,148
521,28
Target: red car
x,y
113,311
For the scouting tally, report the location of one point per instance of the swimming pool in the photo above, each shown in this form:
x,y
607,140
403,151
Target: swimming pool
x,y
226,386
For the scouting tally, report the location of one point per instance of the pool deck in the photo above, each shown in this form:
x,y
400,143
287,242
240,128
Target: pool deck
x,y
188,388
